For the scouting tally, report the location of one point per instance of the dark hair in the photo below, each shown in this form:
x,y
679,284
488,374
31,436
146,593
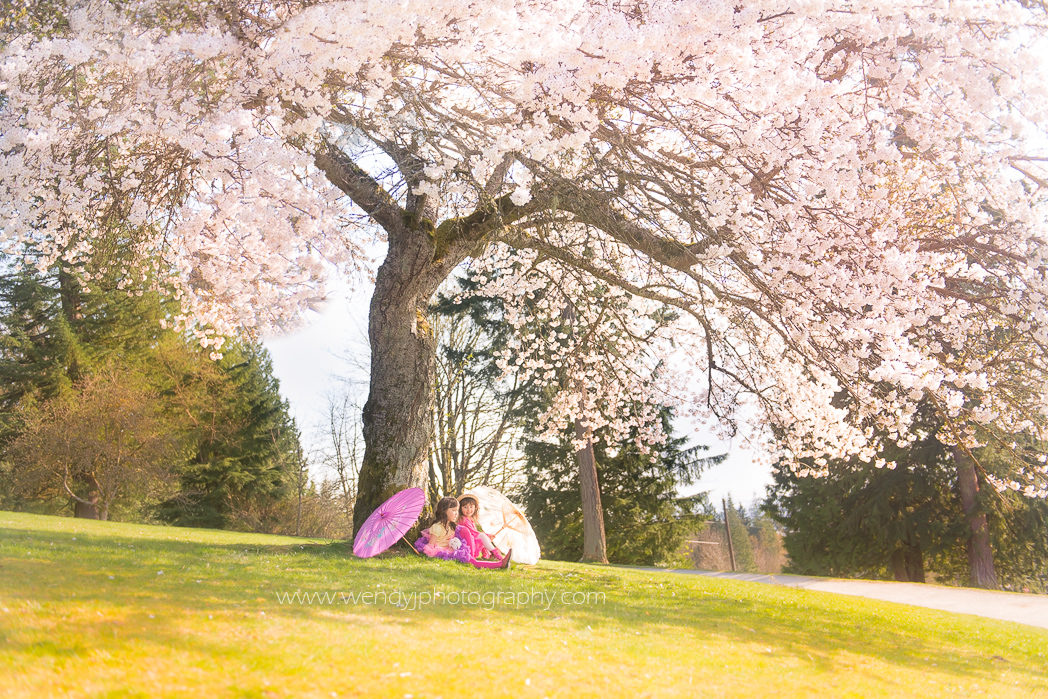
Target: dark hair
x,y
476,506
441,516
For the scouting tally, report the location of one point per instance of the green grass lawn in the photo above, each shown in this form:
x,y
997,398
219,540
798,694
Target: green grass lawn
x,y
109,609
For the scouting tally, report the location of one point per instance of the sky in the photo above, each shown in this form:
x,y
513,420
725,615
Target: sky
x,y
327,356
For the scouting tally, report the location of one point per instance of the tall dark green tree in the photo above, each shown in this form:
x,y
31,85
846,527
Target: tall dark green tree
x,y
34,340
1017,526
868,521
646,520
57,327
906,522
865,522
248,445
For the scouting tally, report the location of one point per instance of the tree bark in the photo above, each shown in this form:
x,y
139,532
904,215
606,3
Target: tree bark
x,y
915,564
594,546
907,564
398,415
980,552
88,506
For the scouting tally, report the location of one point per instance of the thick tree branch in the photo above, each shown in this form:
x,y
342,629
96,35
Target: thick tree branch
x,y
488,219
597,209
457,238
519,240
361,187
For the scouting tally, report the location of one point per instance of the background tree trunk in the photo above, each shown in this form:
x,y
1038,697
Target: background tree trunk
x,y
980,553
907,564
594,541
91,493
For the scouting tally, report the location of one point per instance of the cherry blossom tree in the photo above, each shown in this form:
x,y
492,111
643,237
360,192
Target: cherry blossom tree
x,y
754,166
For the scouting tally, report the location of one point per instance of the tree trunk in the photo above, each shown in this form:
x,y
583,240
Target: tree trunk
x,y
980,552
85,510
72,312
915,564
89,504
398,415
907,564
594,546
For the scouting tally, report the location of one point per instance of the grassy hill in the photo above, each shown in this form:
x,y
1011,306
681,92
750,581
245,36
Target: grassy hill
x,y
122,610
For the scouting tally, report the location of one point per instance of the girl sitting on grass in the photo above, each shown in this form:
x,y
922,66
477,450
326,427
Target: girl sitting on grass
x,y
441,541
479,543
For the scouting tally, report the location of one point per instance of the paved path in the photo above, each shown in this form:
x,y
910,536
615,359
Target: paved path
x,y
1009,606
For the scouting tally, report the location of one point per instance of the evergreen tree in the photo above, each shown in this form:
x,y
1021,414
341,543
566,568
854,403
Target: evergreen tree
x,y
473,367
740,538
248,448
861,520
58,330
906,521
645,518
33,339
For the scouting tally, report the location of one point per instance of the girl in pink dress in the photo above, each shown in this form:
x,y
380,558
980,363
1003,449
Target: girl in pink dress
x,y
479,543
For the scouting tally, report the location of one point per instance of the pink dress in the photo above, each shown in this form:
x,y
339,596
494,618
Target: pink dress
x,y
467,531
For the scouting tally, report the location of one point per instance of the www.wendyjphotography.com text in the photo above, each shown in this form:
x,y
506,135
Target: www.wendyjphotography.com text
x,y
411,600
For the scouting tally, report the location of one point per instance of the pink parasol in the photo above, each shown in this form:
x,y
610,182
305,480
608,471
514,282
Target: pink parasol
x,y
388,523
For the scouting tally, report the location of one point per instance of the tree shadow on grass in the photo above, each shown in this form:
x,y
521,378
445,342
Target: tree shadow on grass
x,y
178,578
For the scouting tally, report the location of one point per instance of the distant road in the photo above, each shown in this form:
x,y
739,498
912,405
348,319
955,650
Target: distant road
x,y
1008,606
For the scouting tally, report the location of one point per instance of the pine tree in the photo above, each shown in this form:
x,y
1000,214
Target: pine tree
x,y
645,518
57,328
866,521
33,341
248,447
904,522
